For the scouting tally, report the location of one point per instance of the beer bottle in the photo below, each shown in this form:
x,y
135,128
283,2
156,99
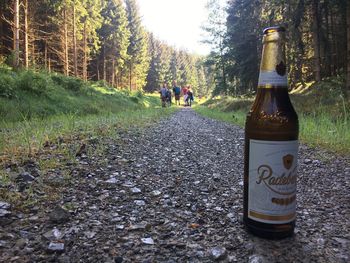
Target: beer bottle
x,y
271,147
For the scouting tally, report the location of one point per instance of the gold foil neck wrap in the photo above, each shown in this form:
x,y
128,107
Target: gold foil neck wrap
x,y
273,51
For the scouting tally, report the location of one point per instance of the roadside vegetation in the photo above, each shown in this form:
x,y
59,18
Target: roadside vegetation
x,y
322,109
38,109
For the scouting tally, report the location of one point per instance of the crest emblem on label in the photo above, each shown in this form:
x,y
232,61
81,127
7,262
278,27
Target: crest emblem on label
x,y
288,161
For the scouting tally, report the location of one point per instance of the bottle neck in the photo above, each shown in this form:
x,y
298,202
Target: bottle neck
x,y
273,71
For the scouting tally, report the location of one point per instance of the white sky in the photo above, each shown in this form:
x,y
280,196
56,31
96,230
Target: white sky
x,y
177,22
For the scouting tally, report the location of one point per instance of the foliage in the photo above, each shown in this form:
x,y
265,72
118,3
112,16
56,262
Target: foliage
x,y
316,41
40,95
324,118
95,40
138,60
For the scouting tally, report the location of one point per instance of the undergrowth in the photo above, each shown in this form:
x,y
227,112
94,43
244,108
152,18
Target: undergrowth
x,y
322,109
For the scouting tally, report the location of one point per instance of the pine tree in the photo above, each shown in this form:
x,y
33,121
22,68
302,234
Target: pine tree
x,y
114,36
138,61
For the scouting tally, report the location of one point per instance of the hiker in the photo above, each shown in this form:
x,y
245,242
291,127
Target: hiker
x,y
177,93
168,97
184,93
163,94
190,98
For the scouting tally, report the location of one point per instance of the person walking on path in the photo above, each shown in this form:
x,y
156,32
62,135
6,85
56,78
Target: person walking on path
x,y
169,97
190,98
177,93
163,94
184,93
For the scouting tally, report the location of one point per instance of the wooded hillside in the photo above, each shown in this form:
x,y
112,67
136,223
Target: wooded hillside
x,y
93,40
318,41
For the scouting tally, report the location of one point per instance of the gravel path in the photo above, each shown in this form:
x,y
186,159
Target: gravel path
x,y
174,194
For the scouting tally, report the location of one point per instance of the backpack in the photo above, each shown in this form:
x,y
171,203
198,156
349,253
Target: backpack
x,y
190,95
177,91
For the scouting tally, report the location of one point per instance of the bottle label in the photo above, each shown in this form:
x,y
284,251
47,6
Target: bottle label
x,y
272,78
272,181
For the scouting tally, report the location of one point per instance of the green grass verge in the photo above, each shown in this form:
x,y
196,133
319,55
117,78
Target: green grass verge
x,y
27,138
323,115
26,95
37,108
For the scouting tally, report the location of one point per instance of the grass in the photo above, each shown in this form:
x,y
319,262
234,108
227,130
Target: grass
x,y
37,108
27,95
323,114
27,138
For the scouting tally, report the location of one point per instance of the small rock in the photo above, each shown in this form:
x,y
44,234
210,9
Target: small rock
x,y
25,177
53,234
118,260
307,161
135,190
140,202
90,234
56,246
141,226
4,213
216,177
147,241
256,259
156,193
112,181
218,253
119,227
21,243
4,205
59,215
26,234
3,244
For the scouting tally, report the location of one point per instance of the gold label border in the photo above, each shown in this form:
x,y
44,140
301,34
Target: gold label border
x,y
272,217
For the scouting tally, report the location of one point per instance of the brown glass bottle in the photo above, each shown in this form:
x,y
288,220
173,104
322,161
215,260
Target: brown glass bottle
x,y
271,147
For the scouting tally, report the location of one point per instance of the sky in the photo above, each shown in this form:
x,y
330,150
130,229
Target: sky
x,y
177,22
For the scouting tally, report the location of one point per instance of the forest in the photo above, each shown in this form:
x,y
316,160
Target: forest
x,y
93,40
317,46
105,40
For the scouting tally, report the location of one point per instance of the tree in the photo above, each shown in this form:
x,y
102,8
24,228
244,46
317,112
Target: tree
x,y
315,27
16,33
114,36
243,38
217,32
347,87
138,61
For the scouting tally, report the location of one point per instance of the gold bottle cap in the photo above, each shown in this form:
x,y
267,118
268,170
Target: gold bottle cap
x,y
274,29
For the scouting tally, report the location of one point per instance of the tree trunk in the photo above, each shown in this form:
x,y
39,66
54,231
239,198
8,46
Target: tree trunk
x,y
16,34
328,50
98,68
104,63
113,72
223,66
26,42
1,29
130,76
75,51
85,54
315,27
45,55
334,45
66,49
347,88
